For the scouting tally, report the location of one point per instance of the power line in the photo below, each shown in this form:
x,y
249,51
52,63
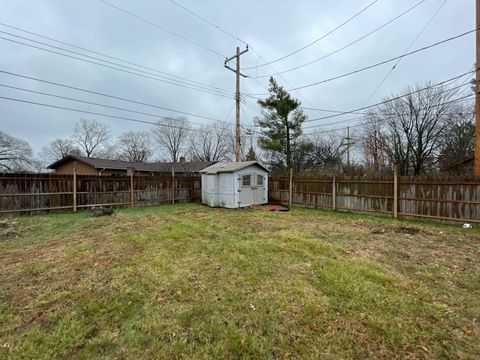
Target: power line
x,y
379,63
235,38
358,124
373,114
162,28
209,22
329,110
349,44
461,99
406,50
229,113
253,108
316,40
336,122
218,27
93,113
394,98
107,95
110,57
339,112
134,72
90,102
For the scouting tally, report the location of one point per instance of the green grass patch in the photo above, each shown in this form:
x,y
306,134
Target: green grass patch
x,y
187,281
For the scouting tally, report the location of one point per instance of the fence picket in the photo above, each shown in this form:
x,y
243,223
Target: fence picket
x,y
436,198
29,193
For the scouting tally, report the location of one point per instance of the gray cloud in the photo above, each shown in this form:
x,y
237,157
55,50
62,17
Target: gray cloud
x,y
273,28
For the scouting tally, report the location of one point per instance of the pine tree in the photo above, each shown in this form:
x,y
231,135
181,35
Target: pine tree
x,y
251,155
281,122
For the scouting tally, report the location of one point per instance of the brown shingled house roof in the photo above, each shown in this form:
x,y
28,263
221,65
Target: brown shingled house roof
x,y
157,167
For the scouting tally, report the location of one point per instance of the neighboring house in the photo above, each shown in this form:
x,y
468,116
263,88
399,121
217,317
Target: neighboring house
x,y
94,166
235,185
462,168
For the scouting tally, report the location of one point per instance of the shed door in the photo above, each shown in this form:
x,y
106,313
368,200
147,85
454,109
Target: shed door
x,y
245,189
251,189
259,189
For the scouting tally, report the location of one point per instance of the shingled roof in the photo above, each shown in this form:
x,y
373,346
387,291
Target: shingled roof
x,y
230,167
157,167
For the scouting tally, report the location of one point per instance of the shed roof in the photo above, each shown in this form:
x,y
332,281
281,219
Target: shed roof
x,y
187,167
230,167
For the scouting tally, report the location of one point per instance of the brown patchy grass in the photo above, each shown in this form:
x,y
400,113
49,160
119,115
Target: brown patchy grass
x,y
188,281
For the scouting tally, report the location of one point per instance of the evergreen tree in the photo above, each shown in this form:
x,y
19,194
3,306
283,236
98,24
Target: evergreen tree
x,y
251,155
281,123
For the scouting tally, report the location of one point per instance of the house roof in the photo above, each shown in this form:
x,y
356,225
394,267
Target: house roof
x,y
166,167
460,163
230,167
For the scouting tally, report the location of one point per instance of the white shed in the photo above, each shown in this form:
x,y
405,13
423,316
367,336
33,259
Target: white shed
x,y
234,185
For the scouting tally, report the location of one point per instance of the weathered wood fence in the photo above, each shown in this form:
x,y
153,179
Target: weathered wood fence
x,y
437,198
32,193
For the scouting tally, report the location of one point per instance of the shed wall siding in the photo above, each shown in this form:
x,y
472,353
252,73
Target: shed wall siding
x,y
208,190
222,189
225,191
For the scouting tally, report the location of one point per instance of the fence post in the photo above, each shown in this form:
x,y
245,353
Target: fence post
x,y
290,194
131,190
74,186
334,194
395,191
172,186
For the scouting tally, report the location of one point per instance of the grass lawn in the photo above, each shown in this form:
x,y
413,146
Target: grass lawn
x,y
187,281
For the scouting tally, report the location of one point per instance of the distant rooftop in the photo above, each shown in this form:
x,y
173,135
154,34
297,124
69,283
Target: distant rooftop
x,y
159,167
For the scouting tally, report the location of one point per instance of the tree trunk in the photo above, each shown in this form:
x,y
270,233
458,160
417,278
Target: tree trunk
x,y
289,150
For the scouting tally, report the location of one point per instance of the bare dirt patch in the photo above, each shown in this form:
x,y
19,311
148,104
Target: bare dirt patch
x,y
396,230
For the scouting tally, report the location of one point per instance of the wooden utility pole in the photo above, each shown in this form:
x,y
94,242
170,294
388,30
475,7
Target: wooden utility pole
x,y
477,93
348,143
237,99
348,147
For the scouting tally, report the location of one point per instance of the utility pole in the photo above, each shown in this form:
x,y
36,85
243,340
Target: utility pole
x,y
477,94
347,141
348,146
237,98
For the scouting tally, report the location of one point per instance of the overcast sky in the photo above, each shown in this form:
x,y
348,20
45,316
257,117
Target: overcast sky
x,y
273,29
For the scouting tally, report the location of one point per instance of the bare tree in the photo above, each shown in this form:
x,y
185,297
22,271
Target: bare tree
x,y
458,142
410,128
134,146
172,136
58,149
15,154
211,143
92,137
372,144
327,151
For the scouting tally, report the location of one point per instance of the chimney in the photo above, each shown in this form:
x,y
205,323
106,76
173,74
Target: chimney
x,y
182,159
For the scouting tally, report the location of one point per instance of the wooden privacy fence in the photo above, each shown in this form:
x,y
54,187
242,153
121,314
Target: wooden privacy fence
x,y
45,192
435,198
426,197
